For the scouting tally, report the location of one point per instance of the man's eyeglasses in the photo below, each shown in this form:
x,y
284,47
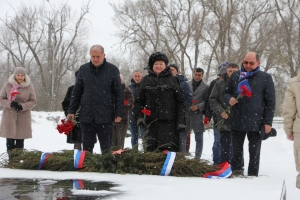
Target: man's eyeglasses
x,y
250,63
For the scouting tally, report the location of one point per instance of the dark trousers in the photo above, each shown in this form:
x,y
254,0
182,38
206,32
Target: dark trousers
x,y
225,147
238,138
14,144
89,132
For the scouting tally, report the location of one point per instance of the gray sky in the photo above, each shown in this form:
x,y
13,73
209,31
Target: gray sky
x,y
102,29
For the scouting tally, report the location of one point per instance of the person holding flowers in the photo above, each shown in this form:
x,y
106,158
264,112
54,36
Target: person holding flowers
x,y
248,114
160,106
17,97
219,107
98,93
120,128
195,114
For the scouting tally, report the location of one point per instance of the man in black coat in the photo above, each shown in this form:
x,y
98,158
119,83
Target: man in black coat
x,y
187,93
248,114
98,92
137,77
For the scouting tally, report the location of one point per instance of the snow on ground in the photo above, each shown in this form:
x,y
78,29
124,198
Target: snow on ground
x,y
277,165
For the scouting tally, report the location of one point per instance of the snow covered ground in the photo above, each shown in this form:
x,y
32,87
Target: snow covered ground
x,y
277,166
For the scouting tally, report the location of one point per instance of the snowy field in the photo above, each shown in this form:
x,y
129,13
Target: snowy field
x,y
277,166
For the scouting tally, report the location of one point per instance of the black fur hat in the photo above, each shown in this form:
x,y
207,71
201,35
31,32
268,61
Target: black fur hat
x,y
157,56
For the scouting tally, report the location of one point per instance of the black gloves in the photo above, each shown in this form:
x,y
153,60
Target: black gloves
x,y
180,128
140,123
16,106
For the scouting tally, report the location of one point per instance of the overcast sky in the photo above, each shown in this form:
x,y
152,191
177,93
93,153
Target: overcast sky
x,y
102,29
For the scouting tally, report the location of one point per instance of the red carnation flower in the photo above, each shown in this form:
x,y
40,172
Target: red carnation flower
x,y
125,102
146,112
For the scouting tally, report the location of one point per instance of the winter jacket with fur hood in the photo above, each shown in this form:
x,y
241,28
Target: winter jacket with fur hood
x,y
17,124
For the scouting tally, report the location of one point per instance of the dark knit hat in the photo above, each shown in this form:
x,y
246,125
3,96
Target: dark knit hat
x,y
222,70
265,136
20,70
155,57
223,64
174,65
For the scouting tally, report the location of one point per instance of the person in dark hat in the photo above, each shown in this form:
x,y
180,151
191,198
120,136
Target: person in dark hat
x,y
17,98
188,101
216,149
160,106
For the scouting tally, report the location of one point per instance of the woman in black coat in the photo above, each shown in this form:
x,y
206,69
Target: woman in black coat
x,y
74,137
161,94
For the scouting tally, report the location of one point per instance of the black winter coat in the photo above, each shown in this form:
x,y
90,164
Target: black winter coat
x,y
135,88
249,113
75,135
99,94
162,95
187,93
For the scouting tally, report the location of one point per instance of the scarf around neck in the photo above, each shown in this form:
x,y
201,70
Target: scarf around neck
x,y
244,76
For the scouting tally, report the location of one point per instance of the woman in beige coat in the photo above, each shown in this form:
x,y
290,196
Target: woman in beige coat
x,y
291,118
17,98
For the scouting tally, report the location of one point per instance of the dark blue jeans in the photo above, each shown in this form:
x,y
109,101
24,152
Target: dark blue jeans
x,y
183,137
226,146
216,149
199,144
89,132
135,131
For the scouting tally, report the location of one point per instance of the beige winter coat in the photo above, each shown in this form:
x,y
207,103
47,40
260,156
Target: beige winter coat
x,y
291,107
17,125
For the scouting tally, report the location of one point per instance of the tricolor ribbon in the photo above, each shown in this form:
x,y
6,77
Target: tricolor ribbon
x,y
78,158
166,169
44,158
78,184
224,172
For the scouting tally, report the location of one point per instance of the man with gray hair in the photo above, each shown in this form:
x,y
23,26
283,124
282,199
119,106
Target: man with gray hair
x,y
98,93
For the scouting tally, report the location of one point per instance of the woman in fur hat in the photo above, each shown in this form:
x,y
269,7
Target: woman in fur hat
x,y
162,101
17,98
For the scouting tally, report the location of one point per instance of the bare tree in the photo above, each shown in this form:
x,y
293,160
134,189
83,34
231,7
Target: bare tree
x,y
49,44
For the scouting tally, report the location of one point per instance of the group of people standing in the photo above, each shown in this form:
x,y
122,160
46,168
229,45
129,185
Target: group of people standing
x,y
161,106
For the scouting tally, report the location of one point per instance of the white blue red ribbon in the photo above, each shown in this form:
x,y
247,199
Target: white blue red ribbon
x,y
166,169
78,158
224,172
78,184
44,158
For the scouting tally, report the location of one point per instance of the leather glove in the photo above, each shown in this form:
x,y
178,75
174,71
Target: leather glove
x,y
140,123
180,128
16,106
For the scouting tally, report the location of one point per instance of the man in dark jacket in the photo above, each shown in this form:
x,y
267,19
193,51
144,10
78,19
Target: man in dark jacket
x,y
98,92
162,101
247,115
137,77
219,107
187,93
216,149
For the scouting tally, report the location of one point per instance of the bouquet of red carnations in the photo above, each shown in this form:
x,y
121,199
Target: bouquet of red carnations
x,y
65,127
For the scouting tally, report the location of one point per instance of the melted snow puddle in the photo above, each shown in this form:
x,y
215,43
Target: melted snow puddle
x,y
32,189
